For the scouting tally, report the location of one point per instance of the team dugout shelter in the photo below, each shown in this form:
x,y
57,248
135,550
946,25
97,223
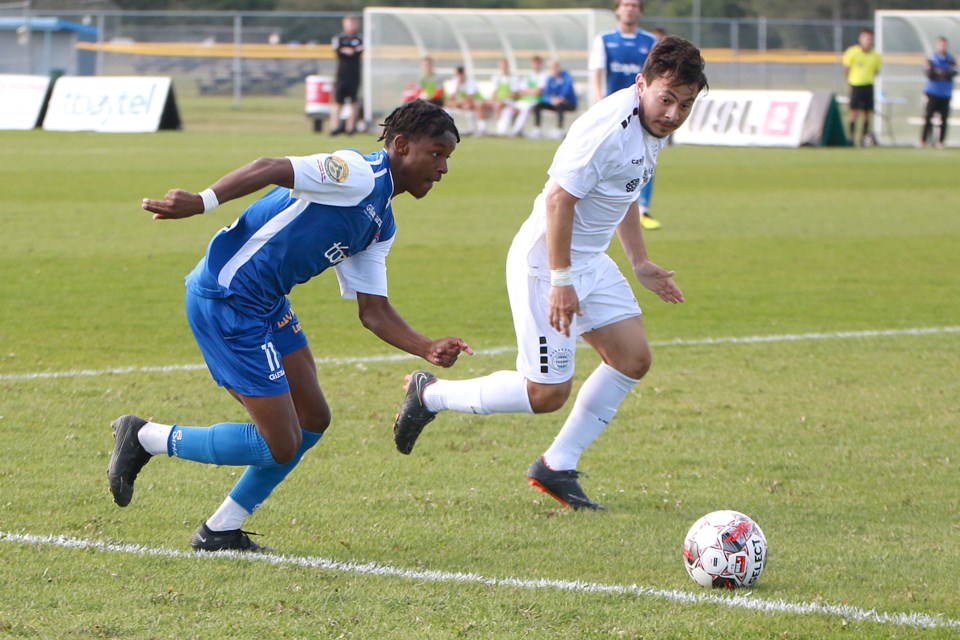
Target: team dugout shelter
x,y
397,39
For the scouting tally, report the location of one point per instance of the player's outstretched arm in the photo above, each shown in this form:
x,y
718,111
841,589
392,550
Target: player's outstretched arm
x,y
659,280
379,316
179,203
650,275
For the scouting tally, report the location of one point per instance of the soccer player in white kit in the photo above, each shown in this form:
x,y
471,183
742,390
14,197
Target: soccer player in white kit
x,y
562,284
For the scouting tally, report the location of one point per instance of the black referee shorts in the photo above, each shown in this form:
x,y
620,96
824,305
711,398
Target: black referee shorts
x,y
861,98
346,88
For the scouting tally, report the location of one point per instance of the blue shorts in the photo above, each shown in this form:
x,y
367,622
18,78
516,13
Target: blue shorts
x,y
245,352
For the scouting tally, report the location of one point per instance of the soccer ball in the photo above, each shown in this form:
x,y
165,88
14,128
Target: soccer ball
x,y
725,549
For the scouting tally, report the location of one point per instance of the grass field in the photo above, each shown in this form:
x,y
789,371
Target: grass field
x,y
810,380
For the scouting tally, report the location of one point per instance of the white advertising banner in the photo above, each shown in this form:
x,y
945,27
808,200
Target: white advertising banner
x,y
22,101
747,119
109,104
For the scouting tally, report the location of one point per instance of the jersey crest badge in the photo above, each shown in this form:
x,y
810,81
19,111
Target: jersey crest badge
x,y
336,168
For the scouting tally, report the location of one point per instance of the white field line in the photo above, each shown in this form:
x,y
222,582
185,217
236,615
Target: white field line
x,y
744,601
837,335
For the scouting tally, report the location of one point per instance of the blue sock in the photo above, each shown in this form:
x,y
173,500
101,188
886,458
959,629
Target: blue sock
x,y
257,483
228,443
646,195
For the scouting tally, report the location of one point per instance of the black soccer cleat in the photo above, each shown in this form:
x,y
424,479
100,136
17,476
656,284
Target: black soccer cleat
x,y
562,486
127,459
206,540
413,416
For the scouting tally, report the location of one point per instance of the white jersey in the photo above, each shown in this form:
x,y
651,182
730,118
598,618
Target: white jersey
x,y
604,161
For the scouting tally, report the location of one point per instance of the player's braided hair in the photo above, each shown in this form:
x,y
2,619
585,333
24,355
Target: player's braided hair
x,y
676,60
418,118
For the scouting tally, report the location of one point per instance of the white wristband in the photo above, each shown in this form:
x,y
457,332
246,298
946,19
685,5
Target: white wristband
x,y
210,201
561,277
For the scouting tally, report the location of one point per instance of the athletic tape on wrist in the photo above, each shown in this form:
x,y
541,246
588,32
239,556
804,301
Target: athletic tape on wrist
x,y
561,277
210,201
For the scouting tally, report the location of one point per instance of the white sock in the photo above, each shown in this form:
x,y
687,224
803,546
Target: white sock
x,y
595,406
499,392
153,437
228,517
503,123
523,110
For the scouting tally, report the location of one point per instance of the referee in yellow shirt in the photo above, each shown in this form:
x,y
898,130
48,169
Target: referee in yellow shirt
x,y
861,64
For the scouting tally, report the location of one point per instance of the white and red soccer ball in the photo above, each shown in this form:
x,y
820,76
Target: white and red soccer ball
x,y
725,549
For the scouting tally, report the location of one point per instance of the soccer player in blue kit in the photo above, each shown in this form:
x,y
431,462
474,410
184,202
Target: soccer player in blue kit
x,y
327,210
619,55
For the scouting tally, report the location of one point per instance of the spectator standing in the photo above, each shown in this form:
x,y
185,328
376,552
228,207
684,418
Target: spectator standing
x,y
348,46
559,95
861,65
941,67
618,56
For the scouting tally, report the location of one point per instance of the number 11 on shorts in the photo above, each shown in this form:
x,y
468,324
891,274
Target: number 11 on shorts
x,y
273,357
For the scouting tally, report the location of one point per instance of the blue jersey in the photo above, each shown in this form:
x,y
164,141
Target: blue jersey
x,y
942,70
340,206
562,87
625,57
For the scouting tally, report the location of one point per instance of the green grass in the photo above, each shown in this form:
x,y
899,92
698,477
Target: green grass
x,y
844,449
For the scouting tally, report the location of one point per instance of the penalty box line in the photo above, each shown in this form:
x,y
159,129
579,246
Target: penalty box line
x,y
359,360
745,601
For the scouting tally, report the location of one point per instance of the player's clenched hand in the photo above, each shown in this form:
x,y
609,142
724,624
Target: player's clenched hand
x,y
563,304
178,203
660,281
445,351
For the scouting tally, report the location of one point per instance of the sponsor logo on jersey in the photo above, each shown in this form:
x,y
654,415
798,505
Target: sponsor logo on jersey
x,y
625,67
636,160
337,253
371,212
336,168
632,185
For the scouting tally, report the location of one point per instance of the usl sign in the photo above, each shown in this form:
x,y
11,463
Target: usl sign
x,y
23,99
747,118
112,104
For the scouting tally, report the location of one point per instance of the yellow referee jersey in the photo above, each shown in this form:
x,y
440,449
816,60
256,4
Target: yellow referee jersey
x,y
863,65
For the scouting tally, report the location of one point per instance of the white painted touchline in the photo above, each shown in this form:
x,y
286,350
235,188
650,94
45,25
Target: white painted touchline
x,y
737,601
679,342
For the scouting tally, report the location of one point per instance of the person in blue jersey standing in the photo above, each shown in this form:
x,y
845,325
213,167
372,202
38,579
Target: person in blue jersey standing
x,y
616,58
329,210
563,286
941,68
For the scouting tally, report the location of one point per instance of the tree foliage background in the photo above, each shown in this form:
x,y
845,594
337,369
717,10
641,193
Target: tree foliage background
x,y
803,9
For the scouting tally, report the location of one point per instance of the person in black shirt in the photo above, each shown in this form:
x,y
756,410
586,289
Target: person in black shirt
x,y
348,46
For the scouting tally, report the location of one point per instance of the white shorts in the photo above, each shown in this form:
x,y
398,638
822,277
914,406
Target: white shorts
x,y
544,354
